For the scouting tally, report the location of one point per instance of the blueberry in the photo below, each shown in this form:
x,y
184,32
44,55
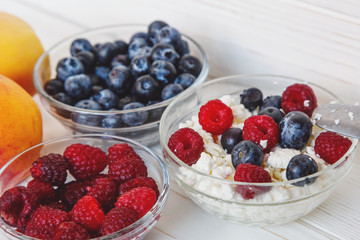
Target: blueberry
x,y
103,73
88,104
88,60
251,98
78,86
185,80
120,80
80,45
171,90
163,71
230,138
271,101
120,59
67,67
54,86
301,166
125,100
168,35
134,118
64,98
164,52
106,52
139,35
106,98
96,80
139,66
295,130
183,48
97,88
111,121
146,88
121,47
135,47
87,119
189,64
145,51
246,152
153,28
273,112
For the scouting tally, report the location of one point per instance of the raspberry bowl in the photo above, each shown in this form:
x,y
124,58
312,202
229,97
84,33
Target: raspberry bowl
x,y
220,187
140,121
16,175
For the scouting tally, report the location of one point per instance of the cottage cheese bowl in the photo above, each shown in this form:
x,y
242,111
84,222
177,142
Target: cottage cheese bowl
x,y
209,182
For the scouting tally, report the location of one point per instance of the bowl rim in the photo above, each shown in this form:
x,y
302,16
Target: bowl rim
x,y
36,75
135,228
163,135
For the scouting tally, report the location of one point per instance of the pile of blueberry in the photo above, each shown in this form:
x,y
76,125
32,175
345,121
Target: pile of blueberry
x,y
152,67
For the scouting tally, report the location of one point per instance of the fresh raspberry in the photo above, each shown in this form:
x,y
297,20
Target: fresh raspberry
x,y
57,205
50,168
215,117
299,97
43,191
117,219
70,231
331,146
123,169
259,128
71,192
88,213
85,161
16,206
187,145
103,189
44,221
119,150
141,199
139,182
248,172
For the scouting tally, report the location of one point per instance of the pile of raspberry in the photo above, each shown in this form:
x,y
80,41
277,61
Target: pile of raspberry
x,y
94,204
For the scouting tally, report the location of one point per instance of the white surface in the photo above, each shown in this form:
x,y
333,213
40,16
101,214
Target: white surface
x,y
316,40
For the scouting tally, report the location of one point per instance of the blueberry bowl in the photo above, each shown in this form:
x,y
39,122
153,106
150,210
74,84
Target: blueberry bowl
x,y
130,78
212,180
16,173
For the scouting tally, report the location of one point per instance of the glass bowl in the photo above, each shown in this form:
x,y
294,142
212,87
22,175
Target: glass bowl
x,y
147,133
16,172
285,201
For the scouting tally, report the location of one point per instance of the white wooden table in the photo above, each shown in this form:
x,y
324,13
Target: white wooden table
x,y
314,40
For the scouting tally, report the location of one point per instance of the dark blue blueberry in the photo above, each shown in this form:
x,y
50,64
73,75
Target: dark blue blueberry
x,y
146,88
106,98
168,35
163,71
88,104
246,152
111,121
125,100
273,112
134,118
301,166
171,90
190,64
139,35
165,52
183,48
251,98
88,60
121,47
120,80
67,67
230,138
106,52
54,86
97,88
120,59
271,101
80,45
153,28
145,51
103,73
295,130
64,98
78,86
96,80
140,65
87,119
135,47
185,80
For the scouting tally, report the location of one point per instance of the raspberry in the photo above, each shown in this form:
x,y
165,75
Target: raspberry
x,y
88,213
299,97
44,221
57,205
140,199
126,168
71,192
331,146
117,219
85,161
251,173
43,191
103,189
187,145
119,150
215,117
50,168
70,231
16,206
259,128
139,182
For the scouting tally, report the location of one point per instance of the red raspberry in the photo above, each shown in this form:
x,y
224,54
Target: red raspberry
x,y
43,191
103,189
139,182
88,213
123,169
331,146
85,161
187,145
261,127
50,168
119,150
215,117
70,231
248,172
299,97
71,192
44,221
117,219
57,205
141,199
